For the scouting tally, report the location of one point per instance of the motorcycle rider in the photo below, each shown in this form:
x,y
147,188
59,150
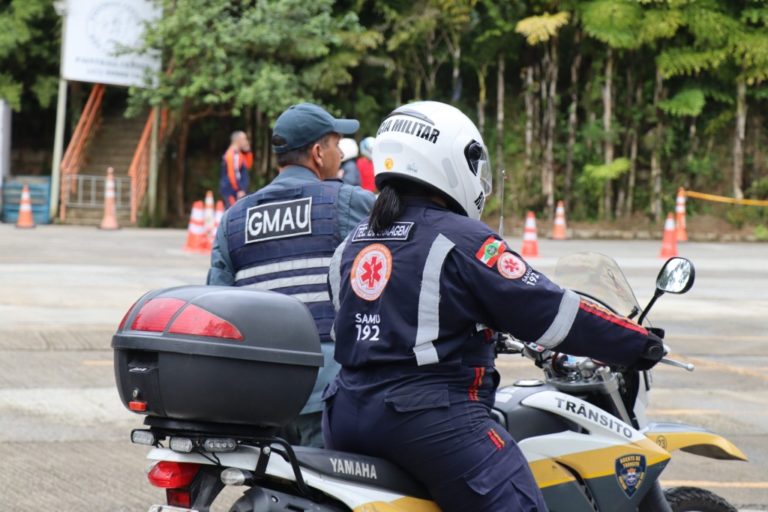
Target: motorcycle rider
x,y
282,237
419,290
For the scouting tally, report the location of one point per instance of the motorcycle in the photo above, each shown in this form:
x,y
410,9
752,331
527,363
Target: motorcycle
x,y
582,427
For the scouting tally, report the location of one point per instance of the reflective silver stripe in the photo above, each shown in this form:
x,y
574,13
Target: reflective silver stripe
x,y
312,297
428,326
285,282
282,266
334,274
561,325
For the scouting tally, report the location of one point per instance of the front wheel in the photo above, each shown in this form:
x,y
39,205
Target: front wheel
x,y
693,499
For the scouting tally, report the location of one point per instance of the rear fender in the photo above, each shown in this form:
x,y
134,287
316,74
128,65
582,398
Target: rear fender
x,y
691,439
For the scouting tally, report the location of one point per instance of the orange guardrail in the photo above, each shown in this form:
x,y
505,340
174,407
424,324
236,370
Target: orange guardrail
x,y
75,153
139,169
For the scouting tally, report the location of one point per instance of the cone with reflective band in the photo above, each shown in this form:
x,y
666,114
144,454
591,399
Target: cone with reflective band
x,y
197,238
682,234
669,242
208,213
530,238
217,219
25,220
109,220
558,232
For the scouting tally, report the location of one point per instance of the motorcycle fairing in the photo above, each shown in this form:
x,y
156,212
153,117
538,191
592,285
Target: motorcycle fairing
x,y
692,439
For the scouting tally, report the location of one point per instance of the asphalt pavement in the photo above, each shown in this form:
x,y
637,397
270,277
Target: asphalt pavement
x,y
63,290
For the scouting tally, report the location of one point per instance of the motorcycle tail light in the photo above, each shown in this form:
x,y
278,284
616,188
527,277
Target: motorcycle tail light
x,y
145,437
179,497
155,314
220,445
199,322
172,475
181,444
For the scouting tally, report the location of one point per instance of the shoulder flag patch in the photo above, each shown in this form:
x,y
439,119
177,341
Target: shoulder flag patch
x,y
490,250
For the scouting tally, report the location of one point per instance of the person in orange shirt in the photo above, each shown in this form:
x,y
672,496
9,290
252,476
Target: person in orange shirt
x,y
365,164
235,165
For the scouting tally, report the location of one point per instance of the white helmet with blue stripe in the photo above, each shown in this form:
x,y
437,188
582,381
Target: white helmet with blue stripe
x,y
436,145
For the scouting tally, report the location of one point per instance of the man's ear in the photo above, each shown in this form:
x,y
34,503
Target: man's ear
x,y
316,154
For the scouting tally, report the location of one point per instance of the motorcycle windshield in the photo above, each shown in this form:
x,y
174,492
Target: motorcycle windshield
x,y
599,277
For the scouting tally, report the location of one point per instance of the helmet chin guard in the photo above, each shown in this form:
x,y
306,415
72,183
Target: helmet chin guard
x,y
437,145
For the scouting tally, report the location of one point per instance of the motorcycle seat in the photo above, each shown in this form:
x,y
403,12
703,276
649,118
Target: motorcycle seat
x,y
361,469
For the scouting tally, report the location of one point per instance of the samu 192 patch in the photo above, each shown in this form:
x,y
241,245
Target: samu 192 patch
x,y
282,219
630,472
510,266
489,252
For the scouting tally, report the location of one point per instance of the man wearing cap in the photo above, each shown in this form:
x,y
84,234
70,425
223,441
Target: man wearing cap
x,y
282,237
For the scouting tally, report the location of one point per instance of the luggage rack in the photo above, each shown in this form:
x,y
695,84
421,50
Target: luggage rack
x,y
260,437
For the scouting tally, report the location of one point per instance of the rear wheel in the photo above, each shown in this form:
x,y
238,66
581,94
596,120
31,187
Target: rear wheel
x,y
693,499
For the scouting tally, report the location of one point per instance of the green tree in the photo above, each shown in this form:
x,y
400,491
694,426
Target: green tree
x,y
29,51
221,58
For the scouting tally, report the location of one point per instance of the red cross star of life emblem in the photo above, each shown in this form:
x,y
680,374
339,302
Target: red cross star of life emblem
x,y
370,271
510,266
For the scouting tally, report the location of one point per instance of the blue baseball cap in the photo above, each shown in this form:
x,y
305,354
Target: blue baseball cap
x,y
306,123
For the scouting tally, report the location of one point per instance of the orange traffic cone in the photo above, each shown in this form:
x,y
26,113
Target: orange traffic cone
x,y
109,220
558,232
217,218
208,213
530,238
197,240
669,242
682,234
25,220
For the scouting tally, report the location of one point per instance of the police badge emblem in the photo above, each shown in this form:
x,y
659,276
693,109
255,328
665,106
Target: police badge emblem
x,y
630,472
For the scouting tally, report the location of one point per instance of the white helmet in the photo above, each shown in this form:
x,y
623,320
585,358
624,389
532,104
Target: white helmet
x,y
366,147
436,145
349,148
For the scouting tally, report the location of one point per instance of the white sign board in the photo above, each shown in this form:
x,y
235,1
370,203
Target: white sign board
x,y
5,141
96,30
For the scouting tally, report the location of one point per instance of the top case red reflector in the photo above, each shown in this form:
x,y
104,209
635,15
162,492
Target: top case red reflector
x,y
155,314
199,322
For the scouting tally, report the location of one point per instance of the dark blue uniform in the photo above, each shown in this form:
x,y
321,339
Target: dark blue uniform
x,y
282,238
416,307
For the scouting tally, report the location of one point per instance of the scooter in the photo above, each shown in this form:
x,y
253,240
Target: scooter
x,y
582,427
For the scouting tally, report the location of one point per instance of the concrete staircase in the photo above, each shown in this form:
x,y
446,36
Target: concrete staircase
x,y
113,145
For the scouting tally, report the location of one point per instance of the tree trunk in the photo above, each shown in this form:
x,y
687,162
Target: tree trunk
x,y
400,84
482,97
529,115
500,125
629,205
573,120
608,138
693,146
656,205
181,160
548,185
456,72
738,140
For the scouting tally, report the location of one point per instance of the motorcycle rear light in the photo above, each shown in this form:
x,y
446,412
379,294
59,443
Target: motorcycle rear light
x,y
172,475
199,322
220,445
125,317
181,444
145,437
179,497
137,406
234,476
155,314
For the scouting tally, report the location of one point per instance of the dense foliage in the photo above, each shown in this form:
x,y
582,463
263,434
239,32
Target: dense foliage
x,y
608,104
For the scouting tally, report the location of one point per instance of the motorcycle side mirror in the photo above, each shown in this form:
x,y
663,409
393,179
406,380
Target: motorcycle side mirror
x,y
676,276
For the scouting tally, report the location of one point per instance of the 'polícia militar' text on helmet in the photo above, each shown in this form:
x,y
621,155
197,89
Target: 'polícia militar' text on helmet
x,y
437,145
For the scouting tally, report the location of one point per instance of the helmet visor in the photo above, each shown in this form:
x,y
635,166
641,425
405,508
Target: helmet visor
x,y
480,165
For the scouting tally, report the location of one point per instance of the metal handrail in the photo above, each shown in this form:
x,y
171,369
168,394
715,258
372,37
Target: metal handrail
x,y
88,191
139,169
75,154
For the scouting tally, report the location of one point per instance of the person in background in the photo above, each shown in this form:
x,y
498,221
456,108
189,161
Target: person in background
x,y
282,237
365,164
235,164
348,172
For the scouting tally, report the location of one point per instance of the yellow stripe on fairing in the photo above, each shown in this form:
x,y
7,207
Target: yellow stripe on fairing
x,y
602,462
672,441
399,505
